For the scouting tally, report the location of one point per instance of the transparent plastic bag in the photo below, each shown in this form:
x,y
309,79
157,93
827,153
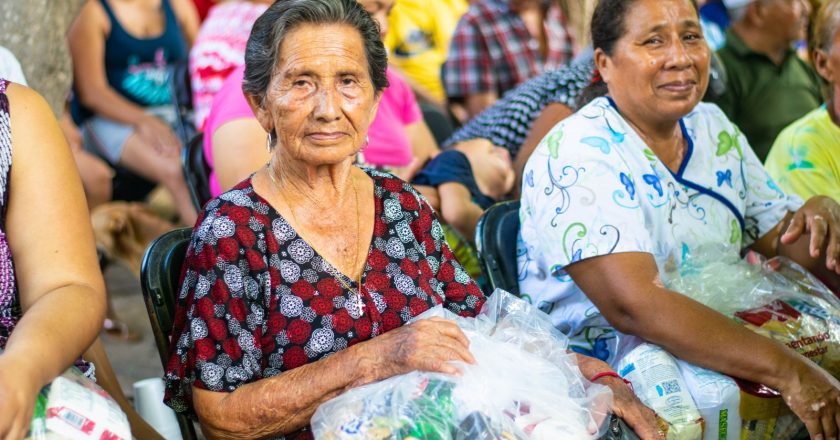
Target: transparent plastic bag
x,y
525,385
776,298
73,407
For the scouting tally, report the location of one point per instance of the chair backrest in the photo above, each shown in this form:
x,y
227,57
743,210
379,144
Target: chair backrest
x,y
196,171
160,274
495,239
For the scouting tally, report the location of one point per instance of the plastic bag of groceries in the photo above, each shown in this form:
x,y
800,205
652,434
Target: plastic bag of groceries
x,y
776,298
73,407
524,385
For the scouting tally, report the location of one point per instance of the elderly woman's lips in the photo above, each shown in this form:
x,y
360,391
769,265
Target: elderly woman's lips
x,y
326,136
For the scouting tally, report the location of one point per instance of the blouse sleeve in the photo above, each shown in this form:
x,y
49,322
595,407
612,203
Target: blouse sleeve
x,y
579,199
766,203
221,308
449,279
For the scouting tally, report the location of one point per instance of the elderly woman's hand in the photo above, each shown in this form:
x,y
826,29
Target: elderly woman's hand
x,y
626,405
819,216
425,345
17,399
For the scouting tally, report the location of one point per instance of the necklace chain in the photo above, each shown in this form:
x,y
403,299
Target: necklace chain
x,y
338,276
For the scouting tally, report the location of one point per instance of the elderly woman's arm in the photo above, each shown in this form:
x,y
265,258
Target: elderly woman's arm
x,y
627,290
285,403
61,290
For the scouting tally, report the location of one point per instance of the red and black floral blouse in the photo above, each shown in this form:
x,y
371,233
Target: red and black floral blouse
x,y
256,300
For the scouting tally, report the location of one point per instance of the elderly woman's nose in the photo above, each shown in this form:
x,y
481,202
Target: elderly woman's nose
x,y
327,104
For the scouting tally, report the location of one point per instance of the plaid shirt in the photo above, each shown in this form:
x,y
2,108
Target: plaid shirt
x,y
492,50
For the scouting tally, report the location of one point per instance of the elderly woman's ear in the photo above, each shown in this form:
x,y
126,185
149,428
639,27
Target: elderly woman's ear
x,y
262,115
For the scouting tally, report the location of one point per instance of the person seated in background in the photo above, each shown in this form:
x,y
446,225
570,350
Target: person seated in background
x,y
522,117
805,159
418,42
767,85
219,49
122,51
398,139
648,174
499,44
318,264
52,295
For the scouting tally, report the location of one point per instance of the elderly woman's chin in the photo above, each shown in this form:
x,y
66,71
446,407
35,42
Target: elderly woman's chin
x,y
319,152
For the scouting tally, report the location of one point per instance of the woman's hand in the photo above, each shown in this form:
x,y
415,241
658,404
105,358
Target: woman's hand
x,y
814,396
17,399
156,133
426,345
630,409
819,216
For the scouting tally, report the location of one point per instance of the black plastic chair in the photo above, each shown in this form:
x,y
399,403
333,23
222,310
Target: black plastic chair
x,y
160,274
196,171
495,239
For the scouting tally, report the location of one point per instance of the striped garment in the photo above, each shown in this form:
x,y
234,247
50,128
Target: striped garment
x,y
493,51
507,122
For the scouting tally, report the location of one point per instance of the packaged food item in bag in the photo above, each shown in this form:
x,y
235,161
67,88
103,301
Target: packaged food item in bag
x,y
717,398
524,385
73,407
657,381
775,298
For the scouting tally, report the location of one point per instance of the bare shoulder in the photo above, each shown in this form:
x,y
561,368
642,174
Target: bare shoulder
x,y
93,16
34,129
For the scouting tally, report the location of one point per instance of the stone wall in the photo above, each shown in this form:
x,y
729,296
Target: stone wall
x,y
34,30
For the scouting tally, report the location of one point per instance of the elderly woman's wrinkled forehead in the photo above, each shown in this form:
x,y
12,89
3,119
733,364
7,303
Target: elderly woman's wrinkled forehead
x,y
319,49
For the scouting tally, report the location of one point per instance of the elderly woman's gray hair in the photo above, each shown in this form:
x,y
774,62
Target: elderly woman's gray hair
x,y
826,25
275,23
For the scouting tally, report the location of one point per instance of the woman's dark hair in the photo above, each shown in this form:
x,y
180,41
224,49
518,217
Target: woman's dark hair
x,y
284,15
607,28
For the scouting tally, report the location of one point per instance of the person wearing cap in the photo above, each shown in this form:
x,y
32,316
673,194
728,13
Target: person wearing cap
x,y
768,85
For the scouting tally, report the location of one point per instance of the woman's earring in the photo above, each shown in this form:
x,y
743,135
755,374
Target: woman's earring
x,y
367,142
268,142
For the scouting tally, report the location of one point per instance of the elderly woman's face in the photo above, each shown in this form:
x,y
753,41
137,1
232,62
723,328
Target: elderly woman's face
x,y
660,66
320,99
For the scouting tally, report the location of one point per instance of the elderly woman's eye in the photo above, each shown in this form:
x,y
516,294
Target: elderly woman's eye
x,y
300,83
693,37
348,81
652,41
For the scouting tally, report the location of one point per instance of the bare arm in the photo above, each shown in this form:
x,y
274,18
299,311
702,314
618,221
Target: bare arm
x,y
285,403
810,237
187,19
548,118
423,144
51,241
238,150
458,210
626,290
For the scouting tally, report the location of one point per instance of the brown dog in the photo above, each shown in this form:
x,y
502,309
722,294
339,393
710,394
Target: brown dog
x,y
124,230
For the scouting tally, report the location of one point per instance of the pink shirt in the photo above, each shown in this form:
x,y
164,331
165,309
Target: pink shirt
x,y
219,48
229,104
389,144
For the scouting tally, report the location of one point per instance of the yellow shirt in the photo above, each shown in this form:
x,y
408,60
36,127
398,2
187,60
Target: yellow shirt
x,y
805,159
418,38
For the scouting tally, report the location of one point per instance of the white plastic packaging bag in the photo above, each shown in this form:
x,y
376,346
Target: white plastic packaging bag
x,y
525,385
717,398
73,407
658,383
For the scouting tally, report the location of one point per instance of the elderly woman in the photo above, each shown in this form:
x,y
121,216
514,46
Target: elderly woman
x,y
804,159
647,173
300,280
49,313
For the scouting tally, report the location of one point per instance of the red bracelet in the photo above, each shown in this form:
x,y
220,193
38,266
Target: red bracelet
x,y
610,374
